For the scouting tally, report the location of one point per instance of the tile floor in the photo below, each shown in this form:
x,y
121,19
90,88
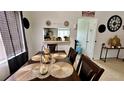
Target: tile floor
x,y
114,69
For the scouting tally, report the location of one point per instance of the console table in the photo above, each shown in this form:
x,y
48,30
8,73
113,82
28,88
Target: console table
x,y
106,52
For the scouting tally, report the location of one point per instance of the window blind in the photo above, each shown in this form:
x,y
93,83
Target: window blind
x,y
5,35
12,34
2,50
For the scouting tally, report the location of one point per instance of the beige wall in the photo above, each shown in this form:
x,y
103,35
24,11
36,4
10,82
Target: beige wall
x,y
37,20
103,17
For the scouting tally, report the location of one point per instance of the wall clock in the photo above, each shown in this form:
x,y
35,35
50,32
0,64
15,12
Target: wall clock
x,y
114,23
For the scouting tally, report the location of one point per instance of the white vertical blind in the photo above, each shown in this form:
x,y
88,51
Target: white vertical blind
x,y
5,35
12,33
2,50
4,69
11,40
20,30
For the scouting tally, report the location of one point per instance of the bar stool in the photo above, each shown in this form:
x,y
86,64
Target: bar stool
x,y
52,47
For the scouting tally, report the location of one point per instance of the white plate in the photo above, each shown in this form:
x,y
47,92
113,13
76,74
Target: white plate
x,y
61,70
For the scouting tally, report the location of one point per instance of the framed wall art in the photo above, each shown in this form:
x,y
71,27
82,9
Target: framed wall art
x,y
88,13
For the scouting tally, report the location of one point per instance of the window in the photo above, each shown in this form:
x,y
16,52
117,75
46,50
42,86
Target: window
x,y
2,50
57,34
64,32
11,32
12,40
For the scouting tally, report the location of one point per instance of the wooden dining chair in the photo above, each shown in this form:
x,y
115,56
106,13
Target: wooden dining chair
x,y
75,44
78,66
89,70
72,55
52,47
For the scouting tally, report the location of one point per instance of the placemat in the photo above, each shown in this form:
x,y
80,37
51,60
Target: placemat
x,y
61,70
30,72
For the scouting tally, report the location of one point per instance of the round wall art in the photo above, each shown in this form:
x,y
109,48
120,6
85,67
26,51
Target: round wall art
x,y
26,23
66,23
102,28
48,22
114,23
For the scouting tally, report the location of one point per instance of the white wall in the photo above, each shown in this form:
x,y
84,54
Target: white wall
x,y
38,21
29,34
103,17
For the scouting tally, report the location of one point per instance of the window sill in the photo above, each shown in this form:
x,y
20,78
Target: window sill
x,y
3,61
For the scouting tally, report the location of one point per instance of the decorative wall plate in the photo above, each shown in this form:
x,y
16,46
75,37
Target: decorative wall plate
x,y
66,23
114,23
26,23
102,28
48,22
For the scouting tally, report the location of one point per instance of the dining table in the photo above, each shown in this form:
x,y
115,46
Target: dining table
x,y
22,74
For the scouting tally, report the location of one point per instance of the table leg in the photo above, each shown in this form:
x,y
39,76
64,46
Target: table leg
x,y
106,55
118,53
101,53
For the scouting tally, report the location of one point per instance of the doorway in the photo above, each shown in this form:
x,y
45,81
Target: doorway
x,y
86,35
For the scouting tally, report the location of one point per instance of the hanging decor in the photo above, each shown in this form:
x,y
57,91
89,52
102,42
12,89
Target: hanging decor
x,y
66,23
123,27
88,13
48,22
102,28
26,23
114,23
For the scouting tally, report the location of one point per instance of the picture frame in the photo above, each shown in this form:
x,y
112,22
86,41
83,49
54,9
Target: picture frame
x,y
88,13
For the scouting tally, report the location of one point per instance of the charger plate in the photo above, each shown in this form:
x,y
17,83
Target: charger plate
x,y
61,69
59,55
29,72
36,58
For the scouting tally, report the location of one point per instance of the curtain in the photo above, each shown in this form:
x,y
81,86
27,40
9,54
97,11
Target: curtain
x,y
12,32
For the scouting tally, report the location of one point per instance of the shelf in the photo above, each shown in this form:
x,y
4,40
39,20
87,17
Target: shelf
x,y
56,42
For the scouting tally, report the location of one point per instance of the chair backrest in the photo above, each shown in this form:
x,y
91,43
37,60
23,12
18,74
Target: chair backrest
x,y
78,65
52,47
72,55
89,70
76,41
